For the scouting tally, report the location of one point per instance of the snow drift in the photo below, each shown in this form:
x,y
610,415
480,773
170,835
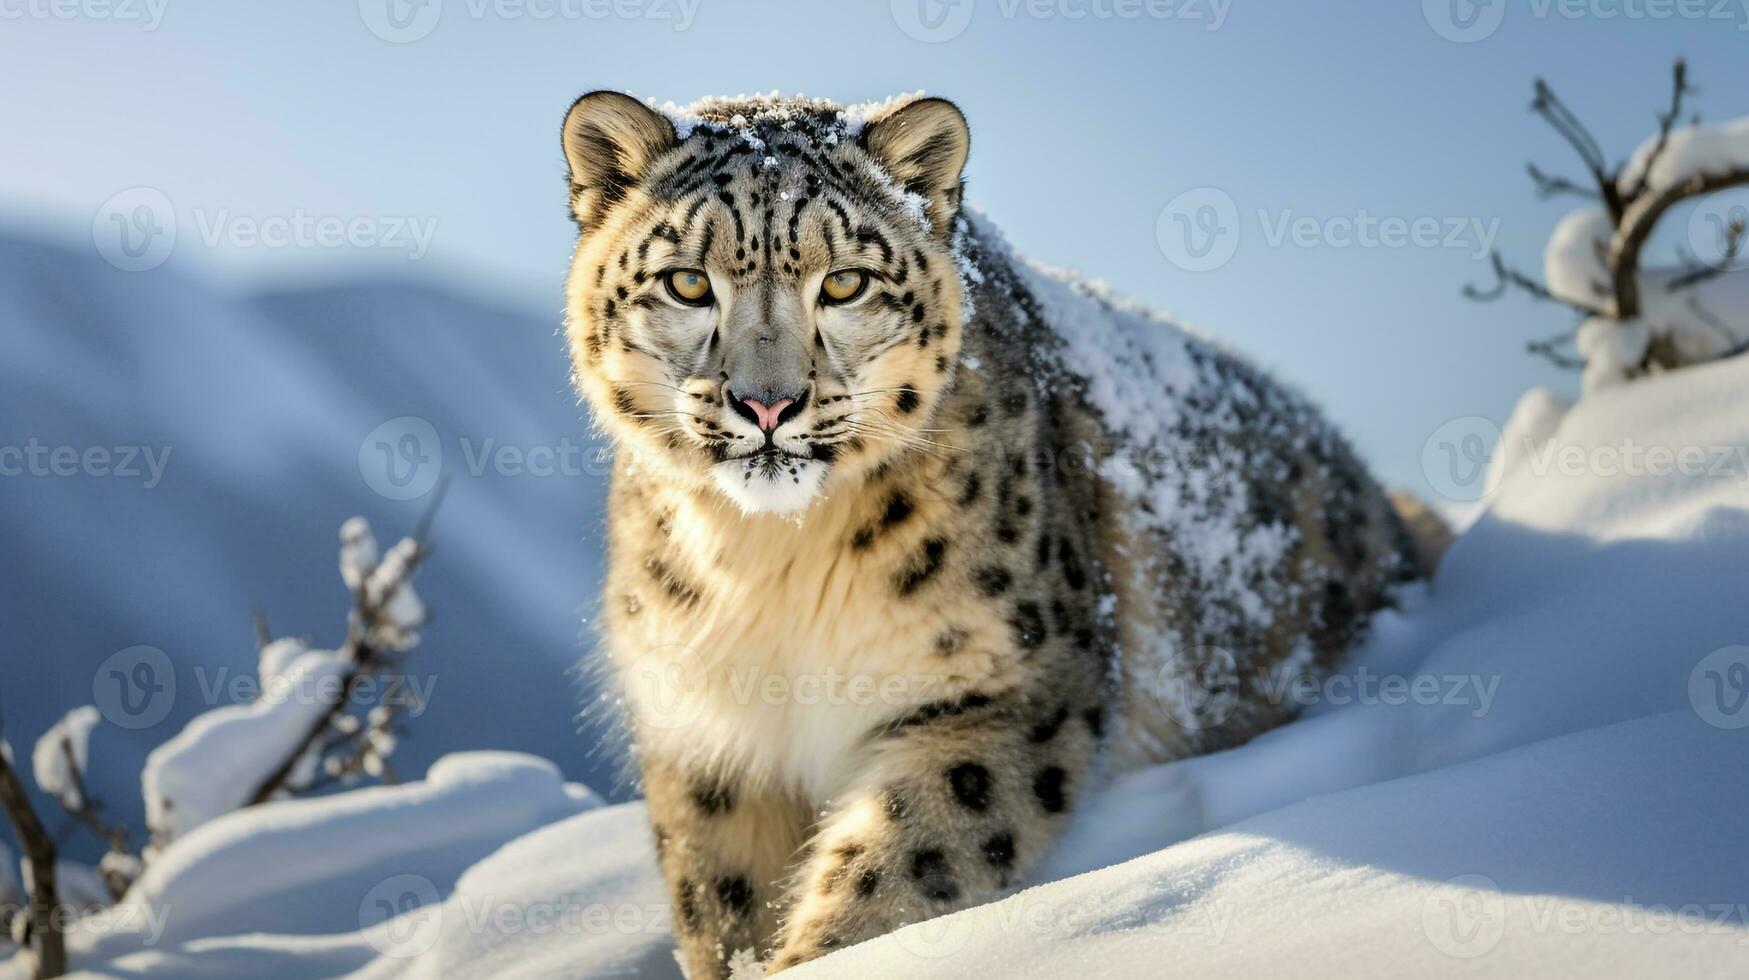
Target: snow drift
x,y
1534,768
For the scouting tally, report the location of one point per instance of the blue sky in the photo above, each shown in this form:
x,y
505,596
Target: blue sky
x,y
1089,117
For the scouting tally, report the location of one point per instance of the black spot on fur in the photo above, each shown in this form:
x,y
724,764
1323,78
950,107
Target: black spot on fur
x,y
992,580
688,906
1048,787
735,894
1047,729
712,798
938,709
999,851
923,566
1029,626
1095,719
971,786
933,875
867,882
979,416
951,640
676,587
1073,572
974,486
898,508
907,401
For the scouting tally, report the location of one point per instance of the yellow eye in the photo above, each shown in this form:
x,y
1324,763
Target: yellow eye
x,y
690,286
844,286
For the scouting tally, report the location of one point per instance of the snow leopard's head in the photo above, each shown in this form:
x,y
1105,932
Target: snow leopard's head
x,y
764,296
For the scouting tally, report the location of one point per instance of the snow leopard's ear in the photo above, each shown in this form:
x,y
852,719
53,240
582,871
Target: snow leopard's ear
x,y
610,139
923,144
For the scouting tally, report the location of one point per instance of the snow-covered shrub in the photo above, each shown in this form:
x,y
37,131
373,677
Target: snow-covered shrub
x,y
1637,320
299,733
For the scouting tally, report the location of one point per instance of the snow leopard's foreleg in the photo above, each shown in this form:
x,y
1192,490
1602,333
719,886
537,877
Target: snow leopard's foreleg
x,y
955,802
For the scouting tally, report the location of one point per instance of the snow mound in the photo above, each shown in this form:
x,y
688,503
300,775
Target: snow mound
x,y
215,764
1534,768
289,889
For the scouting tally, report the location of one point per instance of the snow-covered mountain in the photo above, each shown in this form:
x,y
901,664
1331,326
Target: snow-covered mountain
x,y
221,440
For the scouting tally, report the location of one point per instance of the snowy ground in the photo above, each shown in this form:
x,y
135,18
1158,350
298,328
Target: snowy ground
x,y
1536,768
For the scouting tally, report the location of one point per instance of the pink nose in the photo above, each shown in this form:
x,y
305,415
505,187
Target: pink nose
x,y
767,414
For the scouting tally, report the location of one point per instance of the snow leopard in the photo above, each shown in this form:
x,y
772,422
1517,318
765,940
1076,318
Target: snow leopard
x,y
912,542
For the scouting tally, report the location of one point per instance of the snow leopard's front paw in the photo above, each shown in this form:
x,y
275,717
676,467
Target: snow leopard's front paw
x,y
956,805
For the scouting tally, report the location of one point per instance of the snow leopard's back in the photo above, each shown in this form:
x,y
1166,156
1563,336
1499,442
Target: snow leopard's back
x,y
1243,542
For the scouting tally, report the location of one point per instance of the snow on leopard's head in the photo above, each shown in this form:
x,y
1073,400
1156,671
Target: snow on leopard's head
x,y
764,297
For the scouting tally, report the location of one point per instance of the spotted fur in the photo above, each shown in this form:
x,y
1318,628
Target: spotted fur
x,y
872,661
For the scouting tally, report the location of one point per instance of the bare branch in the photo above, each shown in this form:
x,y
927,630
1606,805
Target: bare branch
x,y
1549,348
1549,106
39,854
263,635
1636,225
1666,122
1505,276
1548,185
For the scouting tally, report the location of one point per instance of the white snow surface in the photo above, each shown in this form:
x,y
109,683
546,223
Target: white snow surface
x,y
213,766
1535,768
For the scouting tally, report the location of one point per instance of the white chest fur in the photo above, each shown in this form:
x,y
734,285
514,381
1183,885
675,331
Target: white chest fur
x,y
794,650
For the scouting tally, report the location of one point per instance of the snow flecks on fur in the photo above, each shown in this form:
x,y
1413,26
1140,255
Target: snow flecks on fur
x,y
1163,392
762,109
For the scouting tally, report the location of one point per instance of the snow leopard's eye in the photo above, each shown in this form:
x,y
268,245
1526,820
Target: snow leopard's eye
x,y
843,286
689,286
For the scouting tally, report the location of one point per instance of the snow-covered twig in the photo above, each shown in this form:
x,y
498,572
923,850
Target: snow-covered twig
x,y
385,620
46,940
